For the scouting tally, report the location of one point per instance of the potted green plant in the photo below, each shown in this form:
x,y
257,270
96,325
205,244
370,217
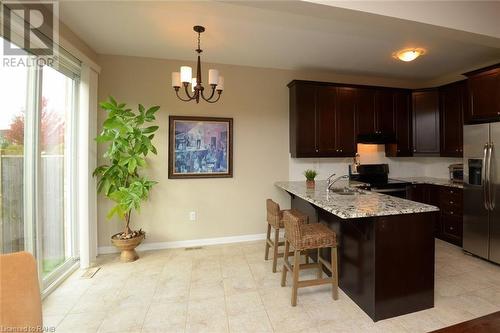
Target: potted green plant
x,y
129,136
310,175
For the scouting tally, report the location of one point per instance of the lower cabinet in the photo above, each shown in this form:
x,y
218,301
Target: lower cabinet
x,y
450,201
451,205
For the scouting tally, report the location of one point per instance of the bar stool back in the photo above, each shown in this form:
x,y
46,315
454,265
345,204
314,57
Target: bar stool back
x,y
275,221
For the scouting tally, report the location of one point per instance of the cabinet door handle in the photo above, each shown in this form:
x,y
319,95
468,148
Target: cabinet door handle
x,y
317,150
451,212
451,202
451,228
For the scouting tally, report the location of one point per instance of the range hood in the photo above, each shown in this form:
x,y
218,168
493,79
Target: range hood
x,y
376,138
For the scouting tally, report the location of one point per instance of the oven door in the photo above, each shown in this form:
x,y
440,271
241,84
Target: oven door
x,y
395,192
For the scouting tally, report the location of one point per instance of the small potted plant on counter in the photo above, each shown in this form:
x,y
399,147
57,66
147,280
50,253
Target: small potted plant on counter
x,y
310,175
129,137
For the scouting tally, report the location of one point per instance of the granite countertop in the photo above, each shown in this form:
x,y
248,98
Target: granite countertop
x,y
430,180
368,204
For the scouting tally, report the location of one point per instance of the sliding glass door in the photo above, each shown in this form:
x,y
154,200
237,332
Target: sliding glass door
x,y
13,113
56,136
37,165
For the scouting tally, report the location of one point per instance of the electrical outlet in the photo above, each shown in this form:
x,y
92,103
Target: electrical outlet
x,y
192,216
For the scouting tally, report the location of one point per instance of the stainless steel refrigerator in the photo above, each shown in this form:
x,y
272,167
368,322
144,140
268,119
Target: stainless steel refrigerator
x,y
481,234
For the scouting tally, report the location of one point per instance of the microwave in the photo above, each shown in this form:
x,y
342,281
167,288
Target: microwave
x,y
456,173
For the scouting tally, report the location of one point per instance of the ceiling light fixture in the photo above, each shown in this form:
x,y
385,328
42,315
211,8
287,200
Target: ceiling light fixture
x,y
408,54
184,77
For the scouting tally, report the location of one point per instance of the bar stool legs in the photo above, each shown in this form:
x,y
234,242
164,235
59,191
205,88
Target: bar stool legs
x,y
320,266
285,259
295,269
275,244
335,274
268,237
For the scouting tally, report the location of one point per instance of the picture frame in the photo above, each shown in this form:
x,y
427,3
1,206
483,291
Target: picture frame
x,y
200,147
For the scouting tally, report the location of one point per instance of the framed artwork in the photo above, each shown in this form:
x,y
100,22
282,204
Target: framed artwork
x,y
200,147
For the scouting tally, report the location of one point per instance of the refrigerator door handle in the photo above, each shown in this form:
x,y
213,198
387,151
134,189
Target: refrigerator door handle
x,y
485,177
490,192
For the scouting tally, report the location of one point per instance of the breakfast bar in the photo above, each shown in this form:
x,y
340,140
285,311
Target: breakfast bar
x,y
386,245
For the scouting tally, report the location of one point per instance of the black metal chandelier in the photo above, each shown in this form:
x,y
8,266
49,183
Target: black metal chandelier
x,y
184,78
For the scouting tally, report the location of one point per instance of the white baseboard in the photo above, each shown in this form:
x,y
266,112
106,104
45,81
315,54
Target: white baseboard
x,y
187,243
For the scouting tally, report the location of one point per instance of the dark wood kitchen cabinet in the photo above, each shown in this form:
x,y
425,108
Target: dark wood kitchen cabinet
x,y
325,109
423,193
365,115
384,112
451,205
322,120
403,124
326,118
484,95
377,111
453,100
426,122
303,122
345,127
449,200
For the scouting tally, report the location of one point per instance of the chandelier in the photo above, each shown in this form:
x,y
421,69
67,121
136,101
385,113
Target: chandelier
x,y
184,78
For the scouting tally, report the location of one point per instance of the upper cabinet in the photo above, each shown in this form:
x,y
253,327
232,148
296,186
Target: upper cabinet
x,y
303,120
327,118
403,125
426,122
484,95
322,120
325,131
365,115
453,101
345,126
384,110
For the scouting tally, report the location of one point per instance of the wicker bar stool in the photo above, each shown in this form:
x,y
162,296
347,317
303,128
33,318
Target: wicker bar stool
x,y
275,221
303,237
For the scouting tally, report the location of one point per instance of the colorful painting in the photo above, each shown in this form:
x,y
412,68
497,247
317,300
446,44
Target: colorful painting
x,y
200,147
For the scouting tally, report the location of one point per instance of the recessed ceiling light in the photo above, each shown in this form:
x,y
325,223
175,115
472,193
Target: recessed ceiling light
x,y
408,54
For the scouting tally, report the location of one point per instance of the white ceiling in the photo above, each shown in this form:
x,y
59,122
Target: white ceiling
x,y
480,17
287,35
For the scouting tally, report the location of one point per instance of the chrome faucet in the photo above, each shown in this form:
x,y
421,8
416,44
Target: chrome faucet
x,y
330,182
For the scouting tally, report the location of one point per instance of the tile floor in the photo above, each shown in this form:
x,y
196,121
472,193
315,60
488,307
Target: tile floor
x,y
230,288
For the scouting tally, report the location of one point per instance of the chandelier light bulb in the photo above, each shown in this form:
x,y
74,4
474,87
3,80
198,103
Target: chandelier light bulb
x,y
220,85
186,74
193,84
213,76
176,79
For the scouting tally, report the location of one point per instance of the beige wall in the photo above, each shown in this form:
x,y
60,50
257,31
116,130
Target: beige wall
x,y
257,99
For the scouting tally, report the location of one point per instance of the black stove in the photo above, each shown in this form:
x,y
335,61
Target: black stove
x,y
377,175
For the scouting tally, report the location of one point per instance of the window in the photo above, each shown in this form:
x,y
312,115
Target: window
x,y
37,164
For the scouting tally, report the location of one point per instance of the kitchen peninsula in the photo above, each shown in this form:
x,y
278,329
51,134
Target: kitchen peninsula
x,y
386,245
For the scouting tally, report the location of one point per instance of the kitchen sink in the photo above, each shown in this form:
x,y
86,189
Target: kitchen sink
x,y
346,191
